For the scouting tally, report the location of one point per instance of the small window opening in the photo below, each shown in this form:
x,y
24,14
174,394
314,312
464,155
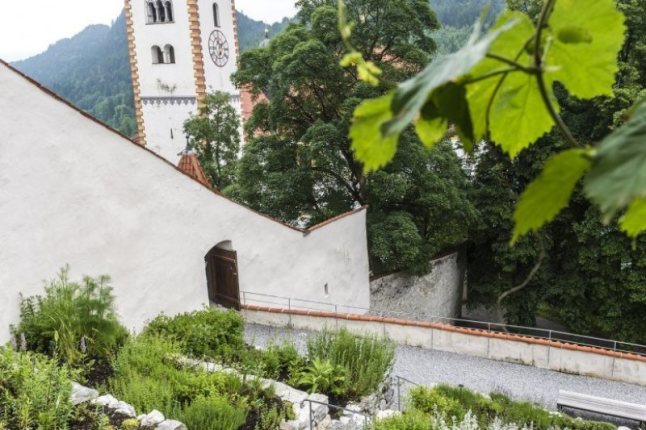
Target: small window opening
x,y
169,54
151,12
216,14
161,11
158,55
169,11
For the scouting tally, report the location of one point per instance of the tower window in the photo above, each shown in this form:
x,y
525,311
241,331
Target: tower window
x,y
158,55
159,11
151,12
169,54
216,14
169,11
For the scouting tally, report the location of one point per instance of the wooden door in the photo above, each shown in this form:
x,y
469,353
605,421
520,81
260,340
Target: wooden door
x,y
222,278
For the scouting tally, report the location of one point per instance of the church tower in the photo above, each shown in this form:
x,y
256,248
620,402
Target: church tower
x,y
180,50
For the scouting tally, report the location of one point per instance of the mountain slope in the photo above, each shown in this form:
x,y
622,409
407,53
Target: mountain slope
x,y
92,71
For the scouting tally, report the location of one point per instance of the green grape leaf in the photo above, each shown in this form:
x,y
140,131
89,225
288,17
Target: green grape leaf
x,y
548,194
446,104
618,174
510,45
430,126
588,38
413,94
518,114
372,148
634,221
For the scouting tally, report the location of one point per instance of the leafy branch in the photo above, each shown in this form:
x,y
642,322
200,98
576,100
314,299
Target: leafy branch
x,y
485,95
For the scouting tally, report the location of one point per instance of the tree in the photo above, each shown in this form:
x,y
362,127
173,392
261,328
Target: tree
x,y
214,134
299,165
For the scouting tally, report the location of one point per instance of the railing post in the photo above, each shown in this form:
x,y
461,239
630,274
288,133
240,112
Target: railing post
x,y
399,394
615,346
289,304
311,420
489,326
244,297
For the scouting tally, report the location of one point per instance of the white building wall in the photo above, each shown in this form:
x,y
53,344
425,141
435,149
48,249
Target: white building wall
x,y
74,192
164,121
177,34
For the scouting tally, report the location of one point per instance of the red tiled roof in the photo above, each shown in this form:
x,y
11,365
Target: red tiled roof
x,y
190,165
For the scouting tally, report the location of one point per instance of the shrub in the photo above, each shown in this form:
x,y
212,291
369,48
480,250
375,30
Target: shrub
x,y
148,376
73,321
367,360
431,401
412,420
204,334
213,413
324,377
34,392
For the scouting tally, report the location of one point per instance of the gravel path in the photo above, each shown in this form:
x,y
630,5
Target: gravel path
x,y
518,381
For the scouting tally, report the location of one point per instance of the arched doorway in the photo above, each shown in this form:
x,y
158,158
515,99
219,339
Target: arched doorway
x,y
222,276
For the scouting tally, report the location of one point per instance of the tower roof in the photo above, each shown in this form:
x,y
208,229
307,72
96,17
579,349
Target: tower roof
x,y
190,165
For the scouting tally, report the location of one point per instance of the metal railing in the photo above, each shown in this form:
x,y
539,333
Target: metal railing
x,y
252,298
402,381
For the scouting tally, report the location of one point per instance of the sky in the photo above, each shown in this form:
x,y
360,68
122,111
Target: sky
x,y
28,27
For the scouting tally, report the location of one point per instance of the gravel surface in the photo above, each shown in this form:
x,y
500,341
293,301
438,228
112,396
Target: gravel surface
x,y
518,381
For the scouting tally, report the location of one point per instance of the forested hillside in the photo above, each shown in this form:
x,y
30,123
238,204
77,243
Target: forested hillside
x,y
92,70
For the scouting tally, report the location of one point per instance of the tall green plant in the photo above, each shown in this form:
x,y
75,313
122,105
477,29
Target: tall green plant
x,y
34,392
72,321
367,360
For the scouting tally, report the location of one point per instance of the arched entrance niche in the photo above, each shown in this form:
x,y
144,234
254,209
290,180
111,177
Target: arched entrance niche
x,y
222,275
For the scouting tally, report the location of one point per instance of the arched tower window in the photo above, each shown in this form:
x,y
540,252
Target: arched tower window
x,y
158,55
216,14
161,11
169,54
151,12
169,11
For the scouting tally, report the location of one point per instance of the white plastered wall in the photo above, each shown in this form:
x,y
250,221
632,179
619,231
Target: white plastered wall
x,y
74,192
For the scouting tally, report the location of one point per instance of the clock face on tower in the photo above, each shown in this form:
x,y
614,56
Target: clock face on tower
x,y
219,48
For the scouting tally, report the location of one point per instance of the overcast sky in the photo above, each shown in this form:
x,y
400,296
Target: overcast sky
x,y
29,27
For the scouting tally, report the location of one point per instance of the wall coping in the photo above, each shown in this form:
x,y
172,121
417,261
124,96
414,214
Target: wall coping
x,y
450,328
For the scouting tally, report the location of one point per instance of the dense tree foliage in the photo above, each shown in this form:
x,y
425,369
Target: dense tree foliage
x,y
214,134
300,162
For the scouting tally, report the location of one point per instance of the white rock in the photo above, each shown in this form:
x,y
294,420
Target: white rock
x,y
107,401
125,410
623,428
152,419
171,425
81,394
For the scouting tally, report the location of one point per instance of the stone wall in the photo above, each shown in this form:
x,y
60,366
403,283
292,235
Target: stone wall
x,y
437,294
